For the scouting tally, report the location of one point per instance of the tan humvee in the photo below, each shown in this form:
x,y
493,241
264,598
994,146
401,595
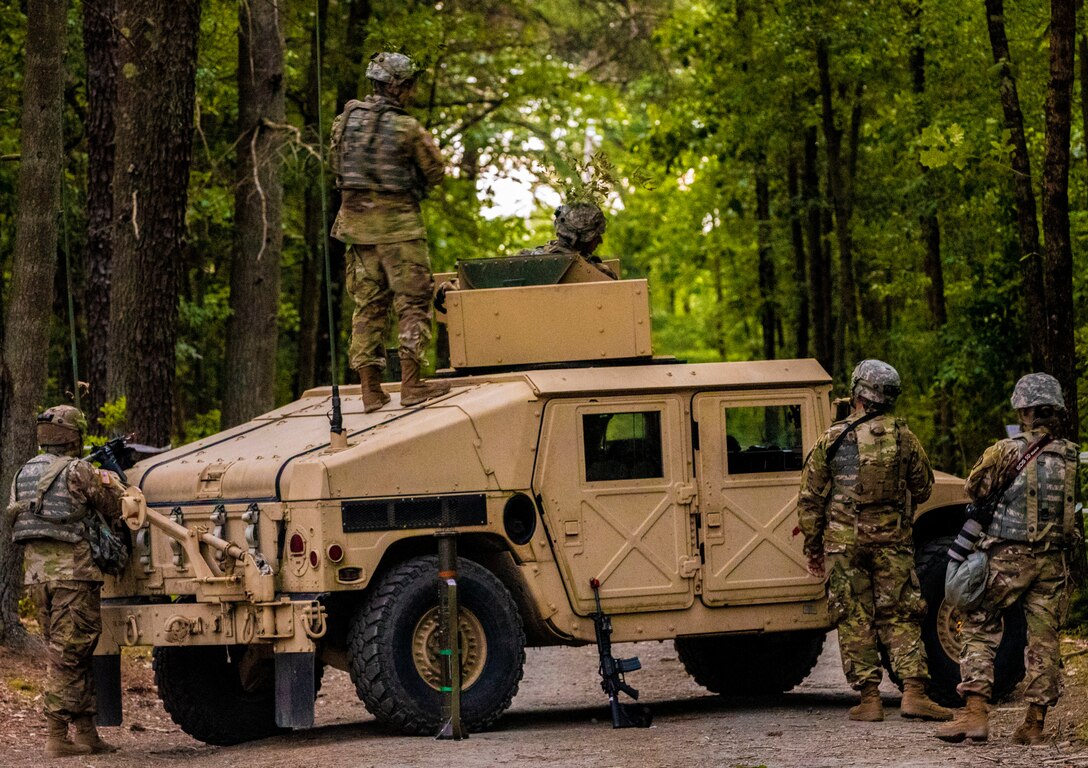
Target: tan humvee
x,y
564,452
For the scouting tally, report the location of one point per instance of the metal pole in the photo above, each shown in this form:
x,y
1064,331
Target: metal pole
x,y
451,638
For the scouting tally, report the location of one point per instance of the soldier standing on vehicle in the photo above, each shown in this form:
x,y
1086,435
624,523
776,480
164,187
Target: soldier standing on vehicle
x,y
52,497
385,164
1027,541
859,487
579,229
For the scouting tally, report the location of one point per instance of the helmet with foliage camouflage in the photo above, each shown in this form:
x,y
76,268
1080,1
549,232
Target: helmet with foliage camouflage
x,y
60,425
394,68
1037,389
578,222
876,381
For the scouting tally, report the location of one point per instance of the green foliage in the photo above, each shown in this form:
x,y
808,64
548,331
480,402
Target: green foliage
x,y
113,418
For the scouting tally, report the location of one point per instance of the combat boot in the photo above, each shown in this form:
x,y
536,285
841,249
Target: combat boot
x,y
413,391
1031,730
57,743
972,722
374,396
916,703
86,735
871,708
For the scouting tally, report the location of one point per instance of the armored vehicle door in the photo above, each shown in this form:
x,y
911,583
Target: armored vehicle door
x,y
751,447
614,477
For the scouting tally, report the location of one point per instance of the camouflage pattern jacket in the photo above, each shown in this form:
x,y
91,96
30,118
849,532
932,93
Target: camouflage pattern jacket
x,y
1038,505
53,560
867,493
553,247
385,163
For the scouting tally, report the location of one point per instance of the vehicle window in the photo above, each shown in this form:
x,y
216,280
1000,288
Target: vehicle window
x,y
764,438
622,446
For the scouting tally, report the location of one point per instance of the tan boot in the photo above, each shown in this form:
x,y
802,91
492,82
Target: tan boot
x,y
871,708
373,396
917,704
972,722
57,743
413,391
86,735
1031,730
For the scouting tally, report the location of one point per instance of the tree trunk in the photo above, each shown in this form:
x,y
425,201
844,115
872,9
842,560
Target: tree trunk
x,y
100,50
1082,57
154,127
797,238
315,228
1026,216
1060,351
838,179
252,330
23,361
767,309
819,273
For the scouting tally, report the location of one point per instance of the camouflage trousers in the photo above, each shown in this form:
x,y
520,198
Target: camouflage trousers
x,y
380,276
874,597
1037,581
71,620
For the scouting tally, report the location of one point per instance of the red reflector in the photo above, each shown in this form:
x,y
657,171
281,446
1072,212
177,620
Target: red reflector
x,y
298,546
336,553
313,559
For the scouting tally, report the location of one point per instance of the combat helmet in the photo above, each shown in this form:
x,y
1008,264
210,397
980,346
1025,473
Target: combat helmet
x,y
578,223
1036,389
392,68
876,381
61,425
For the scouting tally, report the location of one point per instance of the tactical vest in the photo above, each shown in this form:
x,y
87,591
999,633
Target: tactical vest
x,y
1039,504
373,155
871,469
59,517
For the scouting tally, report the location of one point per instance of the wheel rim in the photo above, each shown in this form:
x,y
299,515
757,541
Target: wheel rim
x,y
426,643
950,630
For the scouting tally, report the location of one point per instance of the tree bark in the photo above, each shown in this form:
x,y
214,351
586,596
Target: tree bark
x,y
154,127
100,50
819,272
838,180
23,364
252,330
1082,58
1060,352
767,310
800,270
1026,214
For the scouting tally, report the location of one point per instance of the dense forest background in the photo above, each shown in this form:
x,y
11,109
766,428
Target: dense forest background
x,y
836,179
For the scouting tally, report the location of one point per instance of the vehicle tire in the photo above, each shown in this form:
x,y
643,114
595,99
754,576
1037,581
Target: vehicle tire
x,y
940,632
201,687
393,647
751,665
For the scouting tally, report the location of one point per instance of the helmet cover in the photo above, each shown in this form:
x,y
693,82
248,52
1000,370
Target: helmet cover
x,y
60,425
1037,389
579,222
393,68
876,381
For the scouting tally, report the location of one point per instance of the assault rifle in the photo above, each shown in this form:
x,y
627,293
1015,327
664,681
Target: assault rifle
x,y
119,454
612,671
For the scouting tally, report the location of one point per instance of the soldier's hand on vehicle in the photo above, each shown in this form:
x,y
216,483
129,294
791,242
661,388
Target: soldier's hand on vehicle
x,y
815,566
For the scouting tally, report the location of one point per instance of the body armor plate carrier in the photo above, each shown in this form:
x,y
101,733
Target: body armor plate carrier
x,y
1039,504
44,506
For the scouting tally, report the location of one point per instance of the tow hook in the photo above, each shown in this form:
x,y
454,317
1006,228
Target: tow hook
x,y
313,620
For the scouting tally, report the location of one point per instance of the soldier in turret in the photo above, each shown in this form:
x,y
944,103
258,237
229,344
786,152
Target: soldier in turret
x,y
859,487
579,229
1028,541
52,497
385,164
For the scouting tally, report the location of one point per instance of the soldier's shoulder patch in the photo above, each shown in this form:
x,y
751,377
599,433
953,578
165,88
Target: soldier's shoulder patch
x,y
105,476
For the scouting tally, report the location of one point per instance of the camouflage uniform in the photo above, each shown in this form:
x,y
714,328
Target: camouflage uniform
x,y
856,511
64,582
1027,563
579,227
385,162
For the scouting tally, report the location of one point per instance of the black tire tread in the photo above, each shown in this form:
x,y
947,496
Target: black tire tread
x,y
367,661
750,665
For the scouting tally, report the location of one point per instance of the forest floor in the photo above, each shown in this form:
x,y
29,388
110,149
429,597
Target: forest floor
x,y
559,718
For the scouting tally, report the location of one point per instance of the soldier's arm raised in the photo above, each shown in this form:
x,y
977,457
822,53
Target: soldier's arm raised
x,y
428,157
99,489
990,467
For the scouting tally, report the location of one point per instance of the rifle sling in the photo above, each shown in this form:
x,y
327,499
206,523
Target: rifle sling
x,y
834,447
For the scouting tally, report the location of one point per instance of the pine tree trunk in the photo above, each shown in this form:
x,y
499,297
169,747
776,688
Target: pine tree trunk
x,y
800,270
1026,214
767,310
30,304
252,331
819,273
100,50
1058,258
154,127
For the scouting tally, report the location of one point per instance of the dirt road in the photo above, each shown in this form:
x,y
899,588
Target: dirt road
x,y
559,719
